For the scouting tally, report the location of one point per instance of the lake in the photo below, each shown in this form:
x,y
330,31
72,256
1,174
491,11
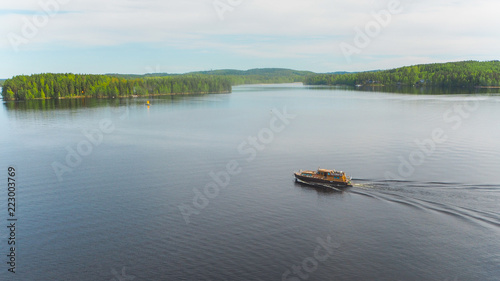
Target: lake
x,y
201,187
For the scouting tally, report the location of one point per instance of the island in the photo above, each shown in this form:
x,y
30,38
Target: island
x,y
69,85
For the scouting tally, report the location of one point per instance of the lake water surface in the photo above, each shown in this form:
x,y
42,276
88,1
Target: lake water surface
x,y
201,187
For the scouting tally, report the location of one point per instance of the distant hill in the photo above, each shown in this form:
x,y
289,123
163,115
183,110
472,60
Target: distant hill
x,y
340,72
451,74
237,77
258,75
138,76
256,71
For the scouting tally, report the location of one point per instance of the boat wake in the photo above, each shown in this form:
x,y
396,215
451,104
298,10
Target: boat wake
x,y
473,203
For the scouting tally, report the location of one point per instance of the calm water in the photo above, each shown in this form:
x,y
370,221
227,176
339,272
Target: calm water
x,y
425,205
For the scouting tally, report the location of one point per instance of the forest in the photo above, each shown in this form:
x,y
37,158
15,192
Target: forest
x,y
259,75
68,85
239,77
465,74
448,75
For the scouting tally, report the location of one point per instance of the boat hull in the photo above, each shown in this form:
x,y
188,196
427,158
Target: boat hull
x,y
316,180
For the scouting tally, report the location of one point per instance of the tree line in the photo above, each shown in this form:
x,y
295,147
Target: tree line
x,y
259,75
68,85
238,77
49,85
453,74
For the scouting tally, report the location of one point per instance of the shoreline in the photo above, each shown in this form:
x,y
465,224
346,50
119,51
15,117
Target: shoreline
x,y
487,87
122,97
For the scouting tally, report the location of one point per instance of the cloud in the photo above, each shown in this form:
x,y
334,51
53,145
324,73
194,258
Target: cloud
x,y
280,29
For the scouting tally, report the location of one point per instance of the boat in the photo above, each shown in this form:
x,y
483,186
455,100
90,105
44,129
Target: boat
x,y
323,177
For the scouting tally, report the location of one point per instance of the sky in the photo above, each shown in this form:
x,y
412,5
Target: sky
x,y
179,36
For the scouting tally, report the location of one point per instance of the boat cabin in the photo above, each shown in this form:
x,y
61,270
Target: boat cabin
x,y
331,174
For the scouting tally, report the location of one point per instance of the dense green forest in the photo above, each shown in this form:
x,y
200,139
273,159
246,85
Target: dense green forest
x,y
259,75
453,74
49,85
239,77
464,74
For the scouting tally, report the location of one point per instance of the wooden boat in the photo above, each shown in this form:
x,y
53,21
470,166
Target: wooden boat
x,y
323,177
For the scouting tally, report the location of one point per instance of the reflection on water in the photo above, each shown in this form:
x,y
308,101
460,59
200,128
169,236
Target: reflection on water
x,y
414,90
441,222
63,104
